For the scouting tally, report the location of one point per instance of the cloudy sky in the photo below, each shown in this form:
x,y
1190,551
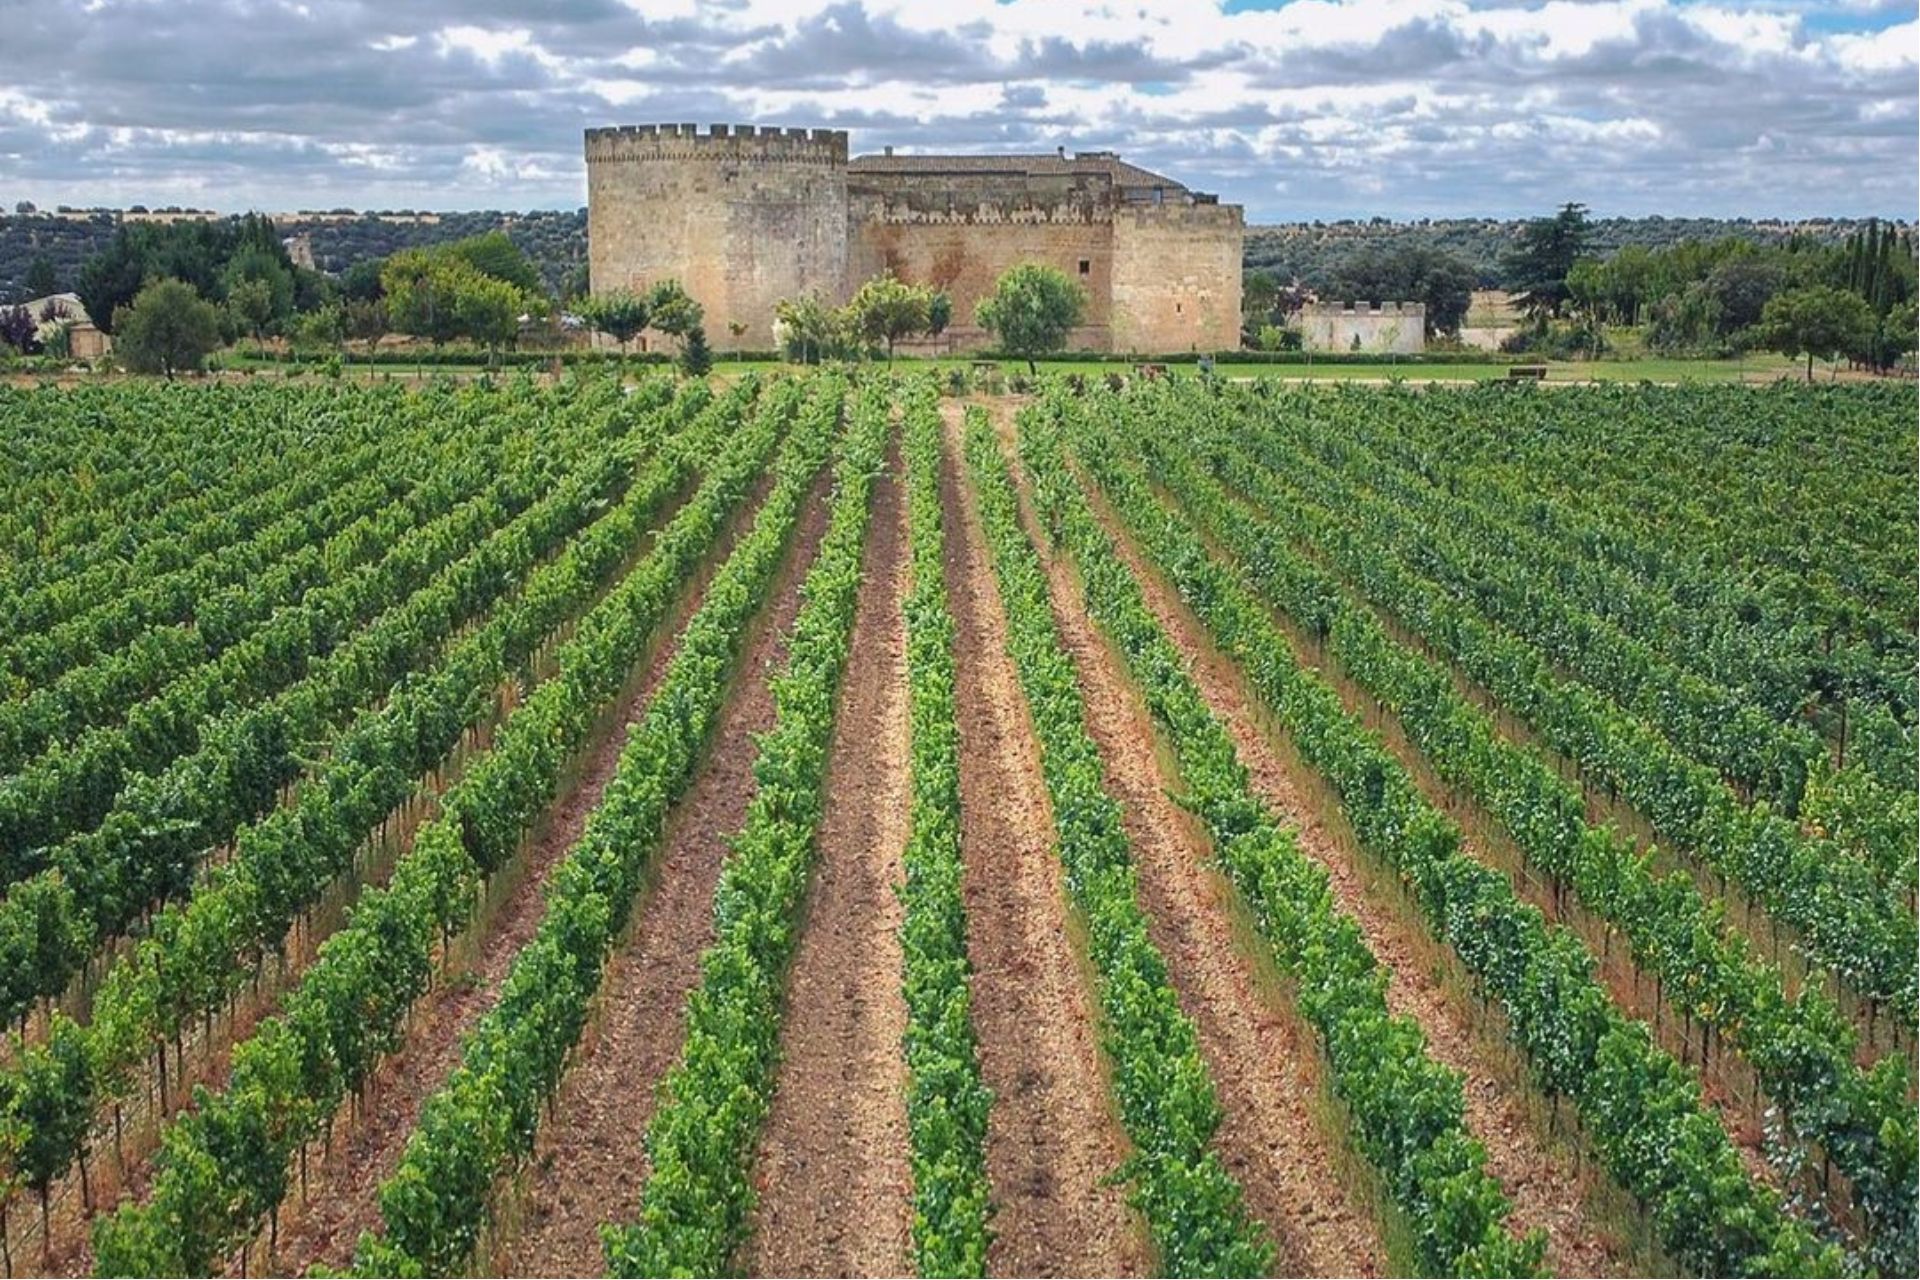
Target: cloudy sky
x,y
1313,108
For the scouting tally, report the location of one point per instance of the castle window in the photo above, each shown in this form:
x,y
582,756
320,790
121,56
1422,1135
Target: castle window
x,y
1179,307
1085,266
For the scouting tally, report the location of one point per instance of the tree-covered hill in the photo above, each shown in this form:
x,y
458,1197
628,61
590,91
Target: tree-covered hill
x,y
556,240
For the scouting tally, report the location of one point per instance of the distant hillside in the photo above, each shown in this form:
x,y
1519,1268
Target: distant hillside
x,y
1311,251
557,240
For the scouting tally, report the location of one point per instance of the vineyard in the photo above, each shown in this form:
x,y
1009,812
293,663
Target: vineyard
x,y
812,825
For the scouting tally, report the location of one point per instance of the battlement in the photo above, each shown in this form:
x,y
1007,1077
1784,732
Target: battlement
x,y
733,144
1415,310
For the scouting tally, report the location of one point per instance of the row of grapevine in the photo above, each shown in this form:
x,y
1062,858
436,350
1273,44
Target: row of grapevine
x,y
1192,1205
1804,493
483,1120
76,621
1801,1050
73,788
1758,755
342,530
1708,626
700,1144
349,1009
199,951
1640,1109
1845,919
150,846
134,486
1407,1113
947,1103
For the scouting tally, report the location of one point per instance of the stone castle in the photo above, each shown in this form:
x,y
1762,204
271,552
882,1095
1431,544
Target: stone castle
x,y
745,217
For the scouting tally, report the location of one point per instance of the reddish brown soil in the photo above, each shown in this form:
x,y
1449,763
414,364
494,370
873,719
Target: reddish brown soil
x,y
833,1179
324,1226
1257,1057
1051,1137
590,1163
1549,1188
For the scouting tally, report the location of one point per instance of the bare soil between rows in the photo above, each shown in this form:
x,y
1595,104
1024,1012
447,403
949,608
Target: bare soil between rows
x,y
1550,1189
832,1176
1052,1138
589,1163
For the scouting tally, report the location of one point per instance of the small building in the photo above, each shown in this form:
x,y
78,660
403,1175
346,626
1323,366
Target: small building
x,y
56,311
1383,328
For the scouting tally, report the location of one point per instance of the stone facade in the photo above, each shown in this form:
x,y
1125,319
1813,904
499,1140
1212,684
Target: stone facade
x,y
746,216
1398,328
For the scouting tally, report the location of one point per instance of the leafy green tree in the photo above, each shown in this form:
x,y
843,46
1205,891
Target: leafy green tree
x,y
1031,310
366,319
488,310
1543,255
810,331
493,254
1819,320
259,266
167,329
672,310
361,281
696,358
939,313
420,288
886,309
110,280
41,279
621,314
324,327
1415,273
251,302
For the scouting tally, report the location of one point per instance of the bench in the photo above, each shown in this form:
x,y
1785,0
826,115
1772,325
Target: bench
x,y
1537,372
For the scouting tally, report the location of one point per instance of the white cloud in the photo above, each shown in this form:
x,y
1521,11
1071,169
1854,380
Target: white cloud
x,y
1313,108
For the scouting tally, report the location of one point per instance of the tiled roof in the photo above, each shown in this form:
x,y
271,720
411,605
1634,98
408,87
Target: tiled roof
x,y
1122,173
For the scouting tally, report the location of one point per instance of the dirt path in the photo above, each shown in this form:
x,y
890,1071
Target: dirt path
x,y
1548,1187
1259,1061
589,1164
323,1226
1051,1135
834,1182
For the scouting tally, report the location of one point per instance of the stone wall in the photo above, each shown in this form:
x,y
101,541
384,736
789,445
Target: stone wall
x,y
1393,327
742,217
960,234
1176,277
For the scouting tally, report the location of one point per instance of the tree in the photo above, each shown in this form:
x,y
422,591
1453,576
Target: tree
x,y
1415,273
619,313
809,331
420,288
493,254
696,359
1543,255
167,328
886,309
1817,321
939,313
366,319
19,330
321,327
672,310
487,309
111,278
361,281
1741,286
41,279
251,302
1031,310
259,266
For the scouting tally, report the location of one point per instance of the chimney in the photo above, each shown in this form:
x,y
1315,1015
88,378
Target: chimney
x,y
1061,151
889,148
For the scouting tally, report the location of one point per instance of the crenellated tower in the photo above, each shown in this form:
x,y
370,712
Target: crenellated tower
x,y
743,216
